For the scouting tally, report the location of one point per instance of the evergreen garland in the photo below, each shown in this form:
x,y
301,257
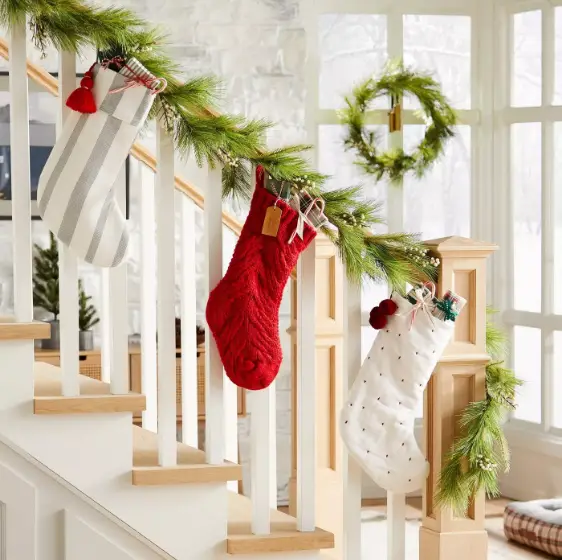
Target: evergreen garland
x,y
476,458
189,111
396,81
46,278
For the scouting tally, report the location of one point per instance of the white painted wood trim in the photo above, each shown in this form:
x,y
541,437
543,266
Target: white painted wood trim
x,y
105,322
272,393
260,460
230,408
119,384
469,117
395,193
306,390
68,262
548,227
149,376
166,269
214,375
84,498
3,534
548,112
502,200
396,526
21,196
441,7
353,474
482,141
190,432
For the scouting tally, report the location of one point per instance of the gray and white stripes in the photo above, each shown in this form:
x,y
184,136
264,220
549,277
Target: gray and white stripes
x,y
76,190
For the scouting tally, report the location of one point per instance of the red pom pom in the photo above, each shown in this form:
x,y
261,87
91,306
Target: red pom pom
x,y
82,100
87,82
388,307
377,319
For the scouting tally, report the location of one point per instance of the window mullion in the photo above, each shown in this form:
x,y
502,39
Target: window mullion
x,y
502,296
548,216
395,197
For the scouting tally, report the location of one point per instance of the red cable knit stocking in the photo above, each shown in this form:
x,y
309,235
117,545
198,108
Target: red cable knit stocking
x,y
243,310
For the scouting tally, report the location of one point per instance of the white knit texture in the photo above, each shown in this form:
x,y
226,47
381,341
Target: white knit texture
x,y
377,421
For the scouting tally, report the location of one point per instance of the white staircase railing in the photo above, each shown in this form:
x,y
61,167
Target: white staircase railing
x,y
158,307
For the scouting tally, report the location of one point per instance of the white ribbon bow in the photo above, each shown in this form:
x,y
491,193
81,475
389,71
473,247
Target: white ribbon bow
x,y
423,303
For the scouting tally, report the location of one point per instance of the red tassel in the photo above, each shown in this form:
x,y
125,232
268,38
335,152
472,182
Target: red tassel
x,y
82,99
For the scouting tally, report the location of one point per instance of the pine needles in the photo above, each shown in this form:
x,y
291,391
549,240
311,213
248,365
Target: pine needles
x,y
188,109
476,458
395,81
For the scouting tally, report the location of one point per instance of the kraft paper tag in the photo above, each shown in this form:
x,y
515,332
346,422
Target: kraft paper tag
x,y
272,221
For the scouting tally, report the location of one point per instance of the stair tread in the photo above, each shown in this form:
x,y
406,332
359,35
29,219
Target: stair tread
x,y
95,396
284,536
10,329
191,467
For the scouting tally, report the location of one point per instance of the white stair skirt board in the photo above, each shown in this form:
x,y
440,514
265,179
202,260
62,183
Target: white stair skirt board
x,y
94,453
34,504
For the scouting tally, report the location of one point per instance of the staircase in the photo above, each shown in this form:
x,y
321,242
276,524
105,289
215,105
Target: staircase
x,y
77,480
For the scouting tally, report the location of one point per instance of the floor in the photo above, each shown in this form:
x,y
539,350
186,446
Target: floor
x,y
374,532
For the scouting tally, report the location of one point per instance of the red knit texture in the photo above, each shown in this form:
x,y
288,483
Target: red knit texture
x,y
243,310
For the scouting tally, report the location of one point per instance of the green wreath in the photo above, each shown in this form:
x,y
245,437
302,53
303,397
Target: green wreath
x,y
396,81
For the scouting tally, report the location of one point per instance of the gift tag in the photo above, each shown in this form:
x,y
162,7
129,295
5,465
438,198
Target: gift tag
x,y
272,221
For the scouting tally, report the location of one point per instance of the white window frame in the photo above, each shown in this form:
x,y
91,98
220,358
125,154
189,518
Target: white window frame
x,y
543,436
478,117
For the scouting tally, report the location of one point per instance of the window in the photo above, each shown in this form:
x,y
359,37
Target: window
x,y
529,120
353,46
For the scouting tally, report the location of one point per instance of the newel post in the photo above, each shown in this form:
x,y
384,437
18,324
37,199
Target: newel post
x,y
459,379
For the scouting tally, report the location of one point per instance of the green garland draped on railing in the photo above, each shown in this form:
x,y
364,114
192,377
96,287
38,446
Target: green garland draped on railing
x,y
189,109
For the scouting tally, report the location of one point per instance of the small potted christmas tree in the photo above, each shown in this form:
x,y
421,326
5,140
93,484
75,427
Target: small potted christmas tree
x,y
46,288
87,319
46,296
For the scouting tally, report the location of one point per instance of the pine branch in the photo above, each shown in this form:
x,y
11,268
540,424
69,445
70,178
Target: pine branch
x,y
187,109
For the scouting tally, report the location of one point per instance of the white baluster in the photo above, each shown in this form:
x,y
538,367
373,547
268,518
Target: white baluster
x,y
306,390
166,268
149,378
21,190
396,526
214,399
263,459
189,399
119,309
105,322
352,471
68,263
230,390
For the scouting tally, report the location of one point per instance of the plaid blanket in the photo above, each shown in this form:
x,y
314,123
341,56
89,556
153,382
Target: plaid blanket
x,y
523,526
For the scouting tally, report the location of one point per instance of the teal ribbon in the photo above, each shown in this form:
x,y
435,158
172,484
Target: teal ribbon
x,y
447,307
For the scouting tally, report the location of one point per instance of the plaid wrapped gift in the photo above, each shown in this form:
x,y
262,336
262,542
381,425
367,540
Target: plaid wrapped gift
x,y
537,524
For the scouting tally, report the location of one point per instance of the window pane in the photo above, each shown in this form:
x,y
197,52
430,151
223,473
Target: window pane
x,y
441,45
439,204
557,380
527,47
526,185
335,161
557,216
527,365
352,48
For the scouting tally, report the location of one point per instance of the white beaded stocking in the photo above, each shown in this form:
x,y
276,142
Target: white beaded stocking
x,y
377,422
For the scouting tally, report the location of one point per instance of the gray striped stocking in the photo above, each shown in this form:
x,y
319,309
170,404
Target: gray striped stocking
x,y
76,196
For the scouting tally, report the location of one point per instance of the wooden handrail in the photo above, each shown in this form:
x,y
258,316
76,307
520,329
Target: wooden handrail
x,y
51,85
